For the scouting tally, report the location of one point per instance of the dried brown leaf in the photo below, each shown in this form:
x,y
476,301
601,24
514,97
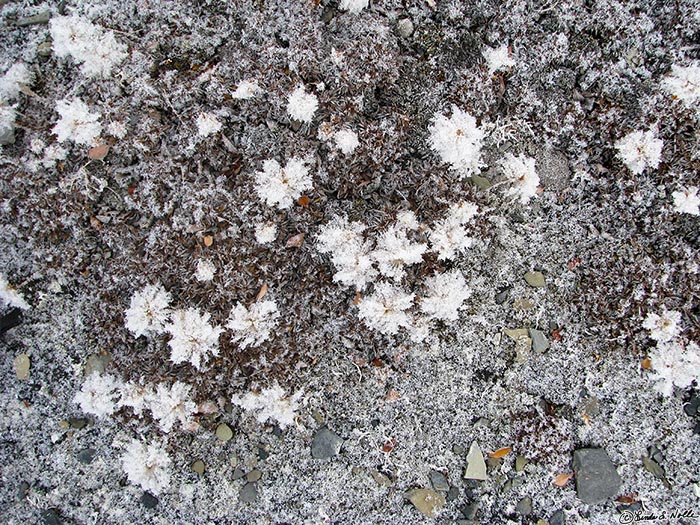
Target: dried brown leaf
x,y
295,240
98,152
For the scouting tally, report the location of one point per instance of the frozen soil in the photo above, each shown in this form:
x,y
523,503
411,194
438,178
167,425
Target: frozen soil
x,y
79,238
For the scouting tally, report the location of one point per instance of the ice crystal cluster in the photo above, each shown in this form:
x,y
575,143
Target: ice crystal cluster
x,y
77,123
458,141
673,361
147,465
687,200
193,337
254,325
520,171
498,58
353,6
88,44
10,297
302,105
282,186
684,83
382,261
640,150
271,404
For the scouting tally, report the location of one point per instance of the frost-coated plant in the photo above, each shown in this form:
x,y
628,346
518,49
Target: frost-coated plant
x,y
687,200
279,186
255,325
246,89
77,123
458,141
11,82
498,58
147,466
271,404
208,124
684,83
444,296
205,271
170,405
193,338
386,309
149,311
449,236
394,251
674,365
301,105
135,396
640,150
90,45
353,6
9,296
520,171
663,327
265,232
346,141
97,395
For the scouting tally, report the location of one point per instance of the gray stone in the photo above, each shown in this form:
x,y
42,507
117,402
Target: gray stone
x,y
539,340
404,27
44,49
380,478
476,466
237,474
452,494
248,493
469,511
524,506
438,480
502,296
96,363
86,455
22,490
558,518
50,517
520,462
325,444
149,500
426,501
77,422
224,432
254,475
40,18
198,467
7,136
535,279
596,477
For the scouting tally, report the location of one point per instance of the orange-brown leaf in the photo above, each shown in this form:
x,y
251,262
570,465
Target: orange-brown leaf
x,y
646,363
562,479
628,500
262,292
501,453
303,200
357,298
98,152
208,240
392,395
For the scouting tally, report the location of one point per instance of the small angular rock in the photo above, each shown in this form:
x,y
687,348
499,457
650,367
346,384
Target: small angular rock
x,y
248,493
426,501
524,506
539,340
438,480
596,477
149,500
326,444
86,455
476,466
535,279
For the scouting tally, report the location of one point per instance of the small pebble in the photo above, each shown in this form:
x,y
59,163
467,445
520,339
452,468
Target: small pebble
x,y
520,462
476,466
502,296
539,340
148,500
50,517
469,511
198,467
404,27
44,49
86,455
77,422
524,506
248,493
224,432
237,474
40,18
438,480
557,518
263,453
426,501
22,364
535,279
380,478
254,475
452,494
22,490
325,444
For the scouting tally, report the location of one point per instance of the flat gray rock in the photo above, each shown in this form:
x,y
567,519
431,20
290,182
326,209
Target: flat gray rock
x,y
596,477
248,493
439,481
326,444
539,340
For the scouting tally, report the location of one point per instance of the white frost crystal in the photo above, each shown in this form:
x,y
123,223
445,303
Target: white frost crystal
x,y
498,58
449,236
458,141
76,122
684,83
663,327
245,90
89,44
97,395
14,78
301,105
640,150
147,466
673,365
350,253
207,124
521,172
445,296
395,250
117,129
149,311
11,297
253,326
135,396
170,405
687,200
353,6
279,186
205,271
346,141
193,337
266,232
271,404
385,309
